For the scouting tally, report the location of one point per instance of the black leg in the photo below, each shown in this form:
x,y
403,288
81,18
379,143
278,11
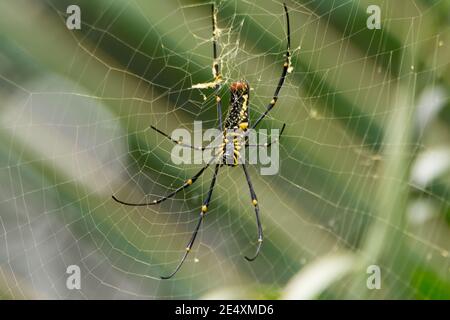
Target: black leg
x,y
216,67
176,141
203,211
188,183
267,145
214,32
258,220
286,66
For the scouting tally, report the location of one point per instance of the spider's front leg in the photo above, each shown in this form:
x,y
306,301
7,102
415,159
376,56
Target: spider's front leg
x,y
216,67
287,68
181,143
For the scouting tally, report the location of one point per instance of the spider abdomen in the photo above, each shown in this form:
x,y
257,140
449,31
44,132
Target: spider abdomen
x,y
231,146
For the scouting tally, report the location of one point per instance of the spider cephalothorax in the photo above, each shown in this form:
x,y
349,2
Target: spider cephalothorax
x,y
234,131
237,117
236,123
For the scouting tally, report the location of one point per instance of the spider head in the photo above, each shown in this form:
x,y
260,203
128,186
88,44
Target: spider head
x,y
239,88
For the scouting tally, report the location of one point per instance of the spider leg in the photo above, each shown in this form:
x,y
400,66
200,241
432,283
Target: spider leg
x,y
178,142
216,67
214,32
258,219
187,183
266,145
286,67
203,211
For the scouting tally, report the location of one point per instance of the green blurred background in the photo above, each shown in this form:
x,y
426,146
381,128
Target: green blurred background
x,y
365,159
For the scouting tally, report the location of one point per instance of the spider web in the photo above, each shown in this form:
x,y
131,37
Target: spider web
x,y
77,106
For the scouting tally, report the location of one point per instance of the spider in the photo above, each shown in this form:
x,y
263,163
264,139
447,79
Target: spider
x,y
237,123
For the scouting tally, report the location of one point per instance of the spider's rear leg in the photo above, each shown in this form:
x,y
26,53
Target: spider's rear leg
x,y
258,219
203,211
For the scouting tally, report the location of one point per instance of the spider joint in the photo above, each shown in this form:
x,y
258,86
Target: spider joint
x,y
243,125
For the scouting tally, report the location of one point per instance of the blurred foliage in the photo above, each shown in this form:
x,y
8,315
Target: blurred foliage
x,y
75,110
